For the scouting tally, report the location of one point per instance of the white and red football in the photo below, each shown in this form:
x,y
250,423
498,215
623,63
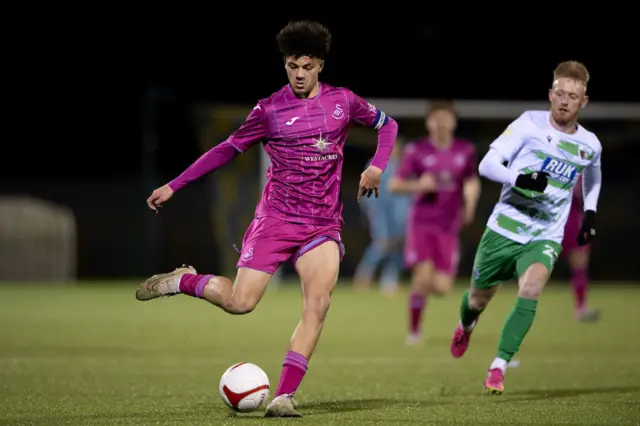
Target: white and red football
x,y
244,387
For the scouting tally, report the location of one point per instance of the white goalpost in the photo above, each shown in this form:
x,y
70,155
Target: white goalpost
x,y
488,110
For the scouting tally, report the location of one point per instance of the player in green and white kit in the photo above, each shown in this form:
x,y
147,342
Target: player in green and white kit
x,y
545,152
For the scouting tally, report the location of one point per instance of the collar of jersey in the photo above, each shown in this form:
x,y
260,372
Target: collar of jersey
x,y
290,91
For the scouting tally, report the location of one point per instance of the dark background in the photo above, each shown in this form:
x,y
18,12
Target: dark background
x,y
105,114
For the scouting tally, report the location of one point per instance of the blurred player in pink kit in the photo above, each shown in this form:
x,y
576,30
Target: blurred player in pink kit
x,y
578,257
303,128
440,171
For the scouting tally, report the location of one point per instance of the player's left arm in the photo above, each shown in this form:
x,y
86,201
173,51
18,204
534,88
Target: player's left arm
x,y
471,188
366,114
591,184
253,130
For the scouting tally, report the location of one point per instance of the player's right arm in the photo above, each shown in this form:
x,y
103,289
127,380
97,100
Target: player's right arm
x,y
501,150
406,179
504,149
253,130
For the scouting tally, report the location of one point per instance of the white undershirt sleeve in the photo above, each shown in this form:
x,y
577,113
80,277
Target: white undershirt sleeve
x,y
492,168
591,184
504,148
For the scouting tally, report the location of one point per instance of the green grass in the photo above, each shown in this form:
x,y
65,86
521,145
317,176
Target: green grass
x,y
94,355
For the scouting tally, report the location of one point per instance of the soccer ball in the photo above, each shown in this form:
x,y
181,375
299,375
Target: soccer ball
x,y
244,387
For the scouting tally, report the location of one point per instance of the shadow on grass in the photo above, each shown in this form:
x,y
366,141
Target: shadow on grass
x,y
540,394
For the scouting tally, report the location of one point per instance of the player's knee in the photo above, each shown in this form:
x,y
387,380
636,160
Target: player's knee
x,y
533,281
442,286
317,306
530,289
479,298
422,277
478,303
240,307
420,284
241,304
578,259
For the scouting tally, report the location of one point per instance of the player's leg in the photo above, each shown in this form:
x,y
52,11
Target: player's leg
x,y
578,258
421,276
257,264
446,264
239,297
420,250
533,267
392,268
493,263
318,269
377,249
394,263
579,266
243,296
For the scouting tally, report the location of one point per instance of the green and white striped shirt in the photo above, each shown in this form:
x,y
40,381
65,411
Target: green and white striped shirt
x,y
531,144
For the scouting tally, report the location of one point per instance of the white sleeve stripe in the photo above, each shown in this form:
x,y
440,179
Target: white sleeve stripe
x,y
381,120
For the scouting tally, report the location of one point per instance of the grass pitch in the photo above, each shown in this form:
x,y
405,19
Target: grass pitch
x,y
92,354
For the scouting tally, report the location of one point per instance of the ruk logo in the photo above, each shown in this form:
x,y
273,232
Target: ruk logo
x,y
559,170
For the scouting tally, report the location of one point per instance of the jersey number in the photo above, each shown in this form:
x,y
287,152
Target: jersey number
x,y
549,251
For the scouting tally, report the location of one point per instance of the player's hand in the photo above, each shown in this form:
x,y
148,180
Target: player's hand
x,y
588,228
369,182
159,197
427,183
536,181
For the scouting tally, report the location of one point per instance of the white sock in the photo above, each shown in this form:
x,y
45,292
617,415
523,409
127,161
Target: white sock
x,y
468,328
499,363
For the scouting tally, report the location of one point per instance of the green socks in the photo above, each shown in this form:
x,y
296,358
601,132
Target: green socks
x,y
467,315
516,327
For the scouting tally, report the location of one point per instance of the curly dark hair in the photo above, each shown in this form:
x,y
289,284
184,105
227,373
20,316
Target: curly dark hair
x,y
304,38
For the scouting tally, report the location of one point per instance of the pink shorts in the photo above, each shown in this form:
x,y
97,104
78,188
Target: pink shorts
x,y
571,231
270,241
426,244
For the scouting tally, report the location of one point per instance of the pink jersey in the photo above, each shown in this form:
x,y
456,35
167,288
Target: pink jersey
x,y
305,140
450,167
